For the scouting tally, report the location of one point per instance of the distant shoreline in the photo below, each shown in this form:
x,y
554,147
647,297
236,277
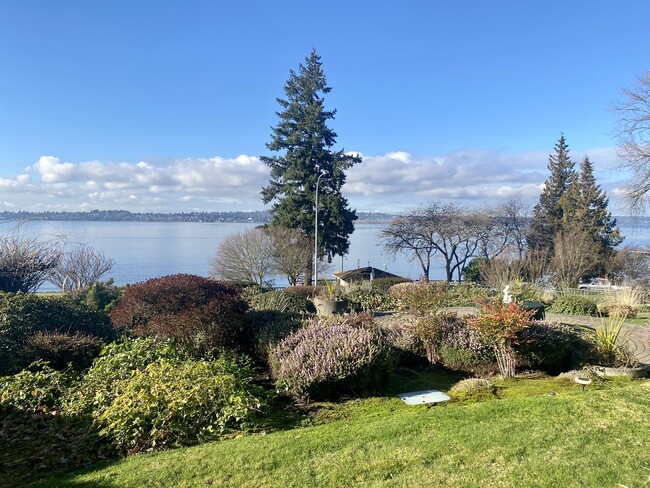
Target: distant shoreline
x,y
253,217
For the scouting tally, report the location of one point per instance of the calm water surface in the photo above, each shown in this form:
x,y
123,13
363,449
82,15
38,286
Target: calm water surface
x,y
143,250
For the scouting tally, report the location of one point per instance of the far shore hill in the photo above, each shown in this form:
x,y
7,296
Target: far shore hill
x,y
254,217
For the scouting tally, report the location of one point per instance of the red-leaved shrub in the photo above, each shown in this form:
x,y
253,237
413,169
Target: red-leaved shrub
x,y
200,314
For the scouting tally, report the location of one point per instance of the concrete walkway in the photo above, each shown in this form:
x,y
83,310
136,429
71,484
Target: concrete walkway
x,y
638,340
638,343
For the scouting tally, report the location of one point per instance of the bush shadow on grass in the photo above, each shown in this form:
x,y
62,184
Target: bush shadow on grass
x,y
37,445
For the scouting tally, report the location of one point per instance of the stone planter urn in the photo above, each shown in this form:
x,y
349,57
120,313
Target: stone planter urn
x,y
637,372
330,306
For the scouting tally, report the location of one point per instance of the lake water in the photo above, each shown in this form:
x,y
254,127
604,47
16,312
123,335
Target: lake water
x,y
143,250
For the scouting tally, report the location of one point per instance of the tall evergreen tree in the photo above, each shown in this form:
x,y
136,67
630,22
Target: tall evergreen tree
x,y
548,213
306,142
592,214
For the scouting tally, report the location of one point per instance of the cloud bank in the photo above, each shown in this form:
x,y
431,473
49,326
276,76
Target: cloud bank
x,y
388,182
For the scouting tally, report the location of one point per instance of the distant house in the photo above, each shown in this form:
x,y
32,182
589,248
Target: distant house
x,y
346,278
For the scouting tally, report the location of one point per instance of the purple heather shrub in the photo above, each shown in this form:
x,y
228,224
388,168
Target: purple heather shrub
x,y
327,358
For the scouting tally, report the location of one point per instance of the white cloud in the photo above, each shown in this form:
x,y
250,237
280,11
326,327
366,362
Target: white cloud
x,y
386,182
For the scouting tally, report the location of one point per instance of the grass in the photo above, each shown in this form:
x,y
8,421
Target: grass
x,y
535,432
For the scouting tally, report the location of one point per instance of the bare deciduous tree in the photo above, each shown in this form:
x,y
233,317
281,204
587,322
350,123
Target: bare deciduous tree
x,y
79,268
537,266
501,271
244,256
291,252
633,133
630,265
575,255
447,230
25,261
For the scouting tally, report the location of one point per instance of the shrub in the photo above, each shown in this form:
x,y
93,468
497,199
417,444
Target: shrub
x,y
551,347
419,297
172,403
464,294
501,323
367,299
269,327
60,350
611,343
402,337
22,316
574,305
38,388
102,296
461,347
282,301
329,357
199,314
383,285
429,329
118,361
303,291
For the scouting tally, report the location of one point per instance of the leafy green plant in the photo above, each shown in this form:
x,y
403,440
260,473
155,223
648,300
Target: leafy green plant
x,y
102,295
38,388
98,386
419,297
574,305
367,299
269,327
429,329
174,403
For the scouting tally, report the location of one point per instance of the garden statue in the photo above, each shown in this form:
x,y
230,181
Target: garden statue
x,y
507,297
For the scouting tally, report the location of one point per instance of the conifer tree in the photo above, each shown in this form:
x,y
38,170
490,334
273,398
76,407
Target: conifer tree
x,y
591,214
306,142
548,213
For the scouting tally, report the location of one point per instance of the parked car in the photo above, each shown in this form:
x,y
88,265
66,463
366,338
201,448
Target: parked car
x,y
599,284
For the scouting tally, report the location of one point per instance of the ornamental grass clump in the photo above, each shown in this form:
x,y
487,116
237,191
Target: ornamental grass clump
x,y
621,302
501,322
611,342
327,358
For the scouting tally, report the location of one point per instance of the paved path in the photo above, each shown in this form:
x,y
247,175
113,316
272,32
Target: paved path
x,y
638,344
639,341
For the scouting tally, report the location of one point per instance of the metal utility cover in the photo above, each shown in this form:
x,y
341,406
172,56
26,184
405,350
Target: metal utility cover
x,y
424,396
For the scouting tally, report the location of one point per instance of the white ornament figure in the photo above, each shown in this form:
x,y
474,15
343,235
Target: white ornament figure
x,y
507,297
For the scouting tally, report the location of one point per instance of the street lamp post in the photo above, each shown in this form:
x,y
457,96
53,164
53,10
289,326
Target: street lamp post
x,y
322,173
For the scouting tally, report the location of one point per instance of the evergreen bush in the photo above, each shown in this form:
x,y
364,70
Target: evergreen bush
x,y
328,358
574,305
282,301
551,347
24,315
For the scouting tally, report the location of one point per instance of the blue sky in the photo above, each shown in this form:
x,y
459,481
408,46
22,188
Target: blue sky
x,y
166,106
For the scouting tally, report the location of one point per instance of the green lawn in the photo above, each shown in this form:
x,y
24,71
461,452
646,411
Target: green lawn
x,y
535,432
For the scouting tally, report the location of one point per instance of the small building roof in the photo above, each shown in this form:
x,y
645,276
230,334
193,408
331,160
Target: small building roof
x,y
364,274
